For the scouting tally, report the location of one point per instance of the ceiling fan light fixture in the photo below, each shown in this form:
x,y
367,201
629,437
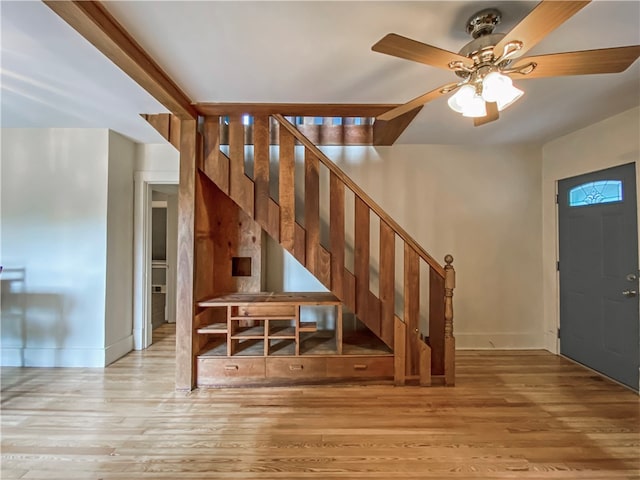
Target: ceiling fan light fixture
x,y
467,102
499,88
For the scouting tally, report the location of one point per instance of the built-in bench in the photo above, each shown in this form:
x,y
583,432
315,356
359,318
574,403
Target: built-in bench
x,y
261,338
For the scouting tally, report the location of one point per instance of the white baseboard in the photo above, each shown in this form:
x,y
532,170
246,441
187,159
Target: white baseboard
x,y
499,341
66,357
52,357
551,341
117,350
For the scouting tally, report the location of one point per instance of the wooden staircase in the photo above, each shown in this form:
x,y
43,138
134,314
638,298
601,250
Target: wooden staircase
x,y
419,356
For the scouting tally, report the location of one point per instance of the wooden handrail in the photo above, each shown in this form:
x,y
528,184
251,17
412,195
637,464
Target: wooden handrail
x,y
360,193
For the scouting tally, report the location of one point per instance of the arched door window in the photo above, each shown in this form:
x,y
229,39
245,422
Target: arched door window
x,y
591,193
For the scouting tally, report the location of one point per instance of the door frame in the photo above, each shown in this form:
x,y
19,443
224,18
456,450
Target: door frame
x,y
557,233
143,181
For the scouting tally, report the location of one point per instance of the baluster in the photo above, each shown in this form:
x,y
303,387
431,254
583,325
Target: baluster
x,y
400,356
240,186
286,195
387,281
216,165
337,236
412,307
312,209
261,167
361,257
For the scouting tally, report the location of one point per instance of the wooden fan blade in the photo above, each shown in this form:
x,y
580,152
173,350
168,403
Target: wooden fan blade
x,y
415,103
545,18
586,62
399,46
492,115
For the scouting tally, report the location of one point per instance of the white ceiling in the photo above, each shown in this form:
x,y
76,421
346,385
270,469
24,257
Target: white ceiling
x,y
301,51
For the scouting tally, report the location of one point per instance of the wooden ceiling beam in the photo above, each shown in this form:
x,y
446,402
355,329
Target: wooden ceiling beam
x,y
93,22
387,132
296,109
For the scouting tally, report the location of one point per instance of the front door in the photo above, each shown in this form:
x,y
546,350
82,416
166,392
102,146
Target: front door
x,y
598,243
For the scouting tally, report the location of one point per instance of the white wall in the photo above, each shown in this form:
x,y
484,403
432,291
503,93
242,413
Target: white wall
x,y
67,199
614,141
161,157
54,225
119,293
480,204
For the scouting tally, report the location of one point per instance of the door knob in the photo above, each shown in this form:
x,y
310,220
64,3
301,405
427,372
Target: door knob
x,y
632,277
629,293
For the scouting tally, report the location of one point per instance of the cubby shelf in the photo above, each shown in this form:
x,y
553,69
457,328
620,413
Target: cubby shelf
x,y
214,328
272,319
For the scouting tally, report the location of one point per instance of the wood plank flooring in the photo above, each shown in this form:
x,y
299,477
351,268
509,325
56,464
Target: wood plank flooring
x,y
512,415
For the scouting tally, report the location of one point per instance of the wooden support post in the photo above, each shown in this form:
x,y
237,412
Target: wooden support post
x,y
399,355
185,338
449,339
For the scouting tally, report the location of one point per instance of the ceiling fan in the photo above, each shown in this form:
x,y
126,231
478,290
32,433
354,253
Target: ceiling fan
x,y
487,64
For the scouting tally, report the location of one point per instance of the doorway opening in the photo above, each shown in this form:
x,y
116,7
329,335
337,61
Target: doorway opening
x,y
164,231
155,280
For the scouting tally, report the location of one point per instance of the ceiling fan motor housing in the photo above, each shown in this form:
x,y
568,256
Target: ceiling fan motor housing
x,y
480,26
483,22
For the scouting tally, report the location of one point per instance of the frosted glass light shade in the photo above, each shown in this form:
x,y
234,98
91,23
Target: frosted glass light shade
x,y
458,100
475,107
466,102
499,88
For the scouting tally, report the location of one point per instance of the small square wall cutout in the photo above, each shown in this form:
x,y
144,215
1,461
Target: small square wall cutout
x,y
241,266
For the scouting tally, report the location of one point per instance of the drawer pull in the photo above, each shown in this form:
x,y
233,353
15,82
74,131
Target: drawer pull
x,y
296,367
231,367
360,366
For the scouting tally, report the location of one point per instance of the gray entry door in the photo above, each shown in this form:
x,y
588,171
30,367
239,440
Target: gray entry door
x,y
598,244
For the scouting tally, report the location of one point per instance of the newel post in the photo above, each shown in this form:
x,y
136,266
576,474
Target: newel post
x,y
449,339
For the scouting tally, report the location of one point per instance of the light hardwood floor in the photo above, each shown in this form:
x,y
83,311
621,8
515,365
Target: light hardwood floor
x,y
516,415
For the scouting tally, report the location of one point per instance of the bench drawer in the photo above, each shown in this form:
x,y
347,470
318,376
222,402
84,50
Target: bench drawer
x,y
360,367
216,371
296,367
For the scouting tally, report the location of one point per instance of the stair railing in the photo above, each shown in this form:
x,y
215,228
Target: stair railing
x,y
378,312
